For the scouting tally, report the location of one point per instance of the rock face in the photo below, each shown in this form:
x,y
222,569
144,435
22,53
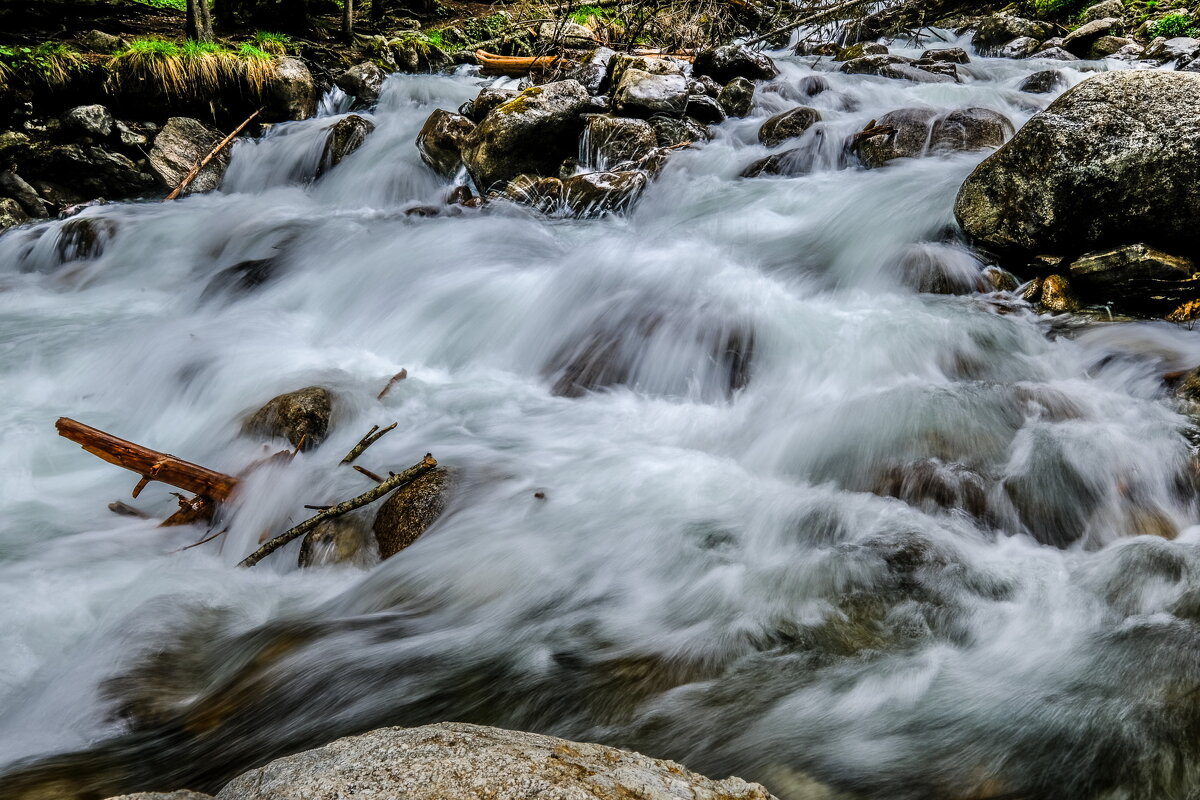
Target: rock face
x,y
1136,278
441,140
788,125
532,133
362,82
346,136
410,510
723,64
178,146
302,417
454,761
1112,161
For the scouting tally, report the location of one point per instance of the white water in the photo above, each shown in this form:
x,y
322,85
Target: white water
x,y
690,584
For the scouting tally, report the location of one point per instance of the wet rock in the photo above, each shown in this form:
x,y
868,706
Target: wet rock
x,y
455,761
933,485
895,67
182,794
1044,82
100,42
723,64
813,85
951,55
441,141
1079,41
178,146
790,162
129,137
939,269
83,238
532,133
970,129
88,171
737,97
705,109
810,48
1055,54
345,137
1136,277
937,67
618,140
14,186
363,82
859,50
415,53
1179,48
301,417
1109,8
410,510
1107,46
341,540
571,34
908,136
654,66
702,84
1131,52
1053,499
592,70
1021,47
871,65
544,194
485,101
1110,162
292,94
11,214
598,193
643,94
993,32
242,278
93,120
788,125
1057,295
672,132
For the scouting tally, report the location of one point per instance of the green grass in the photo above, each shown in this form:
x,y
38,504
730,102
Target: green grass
x,y
174,5
191,69
1173,25
582,14
275,43
52,63
249,51
1057,9
437,37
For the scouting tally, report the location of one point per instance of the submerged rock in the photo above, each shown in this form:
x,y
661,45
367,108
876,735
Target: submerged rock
x,y
341,540
1136,277
455,761
597,193
788,125
1044,82
410,510
301,417
441,140
346,136
618,140
723,64
1110,162
951,55
178,146
363,82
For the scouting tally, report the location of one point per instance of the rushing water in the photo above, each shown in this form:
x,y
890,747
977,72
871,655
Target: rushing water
x,y
715,573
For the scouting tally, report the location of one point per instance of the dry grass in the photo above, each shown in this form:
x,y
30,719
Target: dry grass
x,y
197,70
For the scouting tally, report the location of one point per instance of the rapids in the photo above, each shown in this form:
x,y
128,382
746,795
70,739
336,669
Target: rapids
x,y
716,574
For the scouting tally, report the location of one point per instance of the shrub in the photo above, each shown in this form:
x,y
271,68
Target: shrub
x,y
193,69
51,63
1058,8
274,43
1173,25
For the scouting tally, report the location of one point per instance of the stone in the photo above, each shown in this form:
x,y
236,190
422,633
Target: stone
x,y
939,269
100,42
82,238
441,140
363,82
182,794
805,47
11,214
643,94
410,510
93,120
415,53
1180,48
1106,46
178,146
543,193
952,55
895,67
723,64
292,93
572,34
341,540
610,141
1110,162
1131,52
704,109
592,69
790,162
813,85
15,187
1058,296
654,66
595,194
1079,41
937,67
993,32
129,137
908,139
1020,47
859,50
345,136
737,97
1136,277
456,761
970,129
1109,8
703,84
788,125
532,133
301,417
485,101
1055,54
1044,82
673,132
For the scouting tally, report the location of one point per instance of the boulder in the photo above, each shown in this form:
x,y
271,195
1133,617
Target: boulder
x,y
643,94
94,120
415,53
441,141
410,510
970,129
1055,54
182,794
907,138
592,69
15,187
100,42
456,761
1044,82
532,133
345,136
1079,41
292,93
859,50
737,97
1180,48
672,132
895,67
993,32
1131,52
341,540
813,85
806,47
1107,46
1136,278
571,34
84,170
1020,47
1112,161
485,101
951,55
702,84
723,64
363,82
937,67
797,161
11,214
655,66
617,140
181,143
301,417
704,109
1058,296
597,193
788,125
1109,8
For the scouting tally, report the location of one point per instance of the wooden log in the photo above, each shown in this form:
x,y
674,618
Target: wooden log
x,y
150,464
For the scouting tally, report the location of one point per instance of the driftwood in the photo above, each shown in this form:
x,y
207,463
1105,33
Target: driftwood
x,y
817,16
202,163
399,376
150,464
371,438
191,509
394,482
516,66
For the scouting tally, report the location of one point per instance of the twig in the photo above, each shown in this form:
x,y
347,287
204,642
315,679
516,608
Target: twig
x,y
399,376
396,481
371,438
368,473
202,163
318,508
824,12
205,540
125,510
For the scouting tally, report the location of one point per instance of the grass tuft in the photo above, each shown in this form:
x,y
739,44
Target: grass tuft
x,y
278,44
194,69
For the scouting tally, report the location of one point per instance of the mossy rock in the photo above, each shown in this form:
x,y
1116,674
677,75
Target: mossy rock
x,y
302,417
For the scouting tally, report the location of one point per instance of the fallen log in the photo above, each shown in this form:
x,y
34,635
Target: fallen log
x,y
516,66
150,464
394,482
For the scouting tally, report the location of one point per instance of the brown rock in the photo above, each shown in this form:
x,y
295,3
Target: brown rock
x,y
410,510
302,417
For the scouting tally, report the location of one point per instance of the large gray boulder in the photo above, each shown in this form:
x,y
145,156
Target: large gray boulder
x,y
903,133
455,761
1079,41
292,93
441,140
93,120
178,147
533,133
1112,161
363,82
642,94
723,64
993,32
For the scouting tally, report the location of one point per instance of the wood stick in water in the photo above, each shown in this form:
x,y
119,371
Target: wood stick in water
x,y
150,464
368,473
371,438
395,482
399,376
202,163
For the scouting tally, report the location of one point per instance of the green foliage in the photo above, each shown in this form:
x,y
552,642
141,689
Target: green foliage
x,y
150,47
1058,9
1173,25
192,69
249,51
438,38
52,63
584,13
275,43
174,5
